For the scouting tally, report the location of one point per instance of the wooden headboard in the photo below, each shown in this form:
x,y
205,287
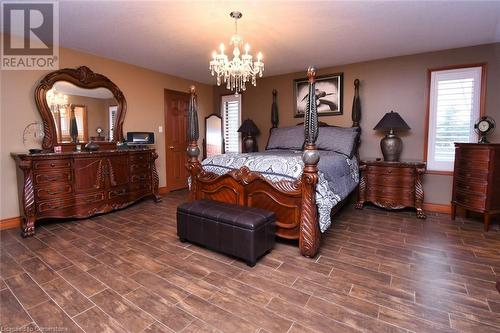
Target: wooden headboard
x,y
355,113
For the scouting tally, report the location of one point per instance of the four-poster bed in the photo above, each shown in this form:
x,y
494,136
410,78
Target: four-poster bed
x,y
292,200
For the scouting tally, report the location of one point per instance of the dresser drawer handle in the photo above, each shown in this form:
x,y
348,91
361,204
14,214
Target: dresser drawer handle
x,y
52,164
51,206
389,171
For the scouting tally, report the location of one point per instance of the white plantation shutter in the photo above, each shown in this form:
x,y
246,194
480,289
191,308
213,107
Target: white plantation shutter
x,y
231,121
454,106
112,118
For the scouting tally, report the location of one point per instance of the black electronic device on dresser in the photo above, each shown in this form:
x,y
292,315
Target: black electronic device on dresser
x,y
476,179
140,138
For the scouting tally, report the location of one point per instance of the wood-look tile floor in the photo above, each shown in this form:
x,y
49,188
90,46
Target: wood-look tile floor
x,y
127,272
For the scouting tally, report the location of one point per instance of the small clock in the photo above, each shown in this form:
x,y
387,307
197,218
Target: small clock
x,y
99,131
484,127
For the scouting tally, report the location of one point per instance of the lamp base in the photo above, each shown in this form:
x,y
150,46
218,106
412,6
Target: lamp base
x,y
248,144
391,146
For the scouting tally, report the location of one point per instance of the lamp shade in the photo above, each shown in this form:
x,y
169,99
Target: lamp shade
x,y
248,127
392,121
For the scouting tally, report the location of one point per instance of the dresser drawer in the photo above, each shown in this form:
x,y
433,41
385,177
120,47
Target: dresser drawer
x,y
140,177
477,187
140,187
118,192
392,192
403,181
470,199
62,176
390,171
140,167
139,157
474,154
51,164
53,191
58,204
473,165
473,175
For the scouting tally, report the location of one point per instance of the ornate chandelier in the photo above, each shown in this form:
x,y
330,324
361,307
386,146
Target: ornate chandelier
x,y
56,100
241,69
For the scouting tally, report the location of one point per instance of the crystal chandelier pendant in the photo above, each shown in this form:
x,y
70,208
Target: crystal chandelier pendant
x,y
241,69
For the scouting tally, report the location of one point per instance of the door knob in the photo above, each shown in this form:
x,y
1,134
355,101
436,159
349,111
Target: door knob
x,y
171,147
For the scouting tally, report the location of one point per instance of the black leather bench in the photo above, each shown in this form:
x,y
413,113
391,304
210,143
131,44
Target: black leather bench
x,y
244,232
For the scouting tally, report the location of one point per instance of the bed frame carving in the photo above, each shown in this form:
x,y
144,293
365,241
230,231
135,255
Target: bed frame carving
x,y
292,201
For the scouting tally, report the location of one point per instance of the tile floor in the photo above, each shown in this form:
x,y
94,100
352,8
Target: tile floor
x,y
127,272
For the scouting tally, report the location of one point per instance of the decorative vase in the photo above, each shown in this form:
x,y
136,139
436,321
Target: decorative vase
x,y
91,146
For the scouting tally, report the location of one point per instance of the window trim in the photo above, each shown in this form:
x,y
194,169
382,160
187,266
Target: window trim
x,y
221,110
482,101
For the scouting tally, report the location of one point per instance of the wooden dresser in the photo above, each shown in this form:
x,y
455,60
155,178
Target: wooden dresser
x,y
392,185
81,184
476,179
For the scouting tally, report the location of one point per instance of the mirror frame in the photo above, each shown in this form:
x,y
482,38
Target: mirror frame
x,y
221,135
82,77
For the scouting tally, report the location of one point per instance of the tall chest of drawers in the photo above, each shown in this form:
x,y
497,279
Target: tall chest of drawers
x,y
476,179
78,185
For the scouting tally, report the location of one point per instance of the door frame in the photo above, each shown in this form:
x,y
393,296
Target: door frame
x,y
166,92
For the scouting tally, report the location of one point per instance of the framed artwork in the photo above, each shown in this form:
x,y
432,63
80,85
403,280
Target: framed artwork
x,y
329,91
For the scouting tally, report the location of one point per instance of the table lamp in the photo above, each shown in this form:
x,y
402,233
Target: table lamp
x,y
391,144
249,130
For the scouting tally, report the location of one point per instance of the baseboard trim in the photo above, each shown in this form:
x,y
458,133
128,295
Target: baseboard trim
x,y
10,223
163,190
437,208
15,222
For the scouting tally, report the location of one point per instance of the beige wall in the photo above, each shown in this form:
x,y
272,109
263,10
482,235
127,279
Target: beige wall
x,y
398,84
142,88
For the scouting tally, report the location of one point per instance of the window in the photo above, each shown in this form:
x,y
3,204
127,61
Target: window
x,y
62,118
113,109
231,121
454,106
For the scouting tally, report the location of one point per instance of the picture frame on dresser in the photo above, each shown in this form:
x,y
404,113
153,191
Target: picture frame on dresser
x,y
329,95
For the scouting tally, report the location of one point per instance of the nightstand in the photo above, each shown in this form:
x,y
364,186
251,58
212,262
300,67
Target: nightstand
x,y
392,185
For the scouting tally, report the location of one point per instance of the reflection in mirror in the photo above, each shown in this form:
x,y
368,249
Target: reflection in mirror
x,y
213,135
81,114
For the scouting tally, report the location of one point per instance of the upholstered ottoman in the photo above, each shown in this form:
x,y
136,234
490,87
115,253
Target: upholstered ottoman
x,y
244,232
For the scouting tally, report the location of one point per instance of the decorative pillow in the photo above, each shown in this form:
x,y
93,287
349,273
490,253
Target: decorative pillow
x,y
342,140
291,137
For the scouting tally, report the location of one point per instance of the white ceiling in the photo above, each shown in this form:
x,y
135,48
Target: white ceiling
x,y
178,37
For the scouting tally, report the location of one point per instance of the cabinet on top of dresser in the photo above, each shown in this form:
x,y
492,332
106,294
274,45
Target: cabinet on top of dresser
x,y
476,179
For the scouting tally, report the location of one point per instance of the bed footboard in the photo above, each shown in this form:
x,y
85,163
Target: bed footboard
x,y
293,202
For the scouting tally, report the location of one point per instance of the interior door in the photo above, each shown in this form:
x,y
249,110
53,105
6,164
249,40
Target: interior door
x,y
176,114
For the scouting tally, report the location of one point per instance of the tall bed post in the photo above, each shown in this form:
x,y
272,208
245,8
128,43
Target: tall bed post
x,y
309,237
193,133
274,111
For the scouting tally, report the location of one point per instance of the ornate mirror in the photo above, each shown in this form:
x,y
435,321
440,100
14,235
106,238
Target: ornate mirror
x,y
78,106
213,143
